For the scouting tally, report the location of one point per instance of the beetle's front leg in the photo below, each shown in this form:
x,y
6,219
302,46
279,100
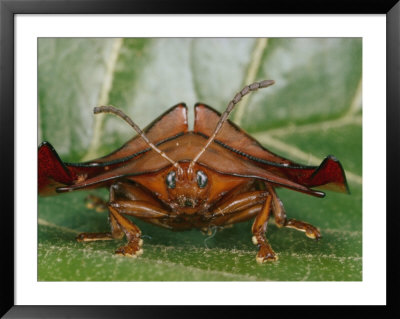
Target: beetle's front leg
x,y
244,207
128,199
136,208
265,252
132,233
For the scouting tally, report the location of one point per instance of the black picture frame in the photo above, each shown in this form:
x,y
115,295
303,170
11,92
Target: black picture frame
x,y
8,10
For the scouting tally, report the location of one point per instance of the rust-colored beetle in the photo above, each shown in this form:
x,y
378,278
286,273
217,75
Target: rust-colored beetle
x,y
215,175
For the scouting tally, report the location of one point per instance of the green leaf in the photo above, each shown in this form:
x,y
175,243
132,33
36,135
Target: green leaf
x,y
313,110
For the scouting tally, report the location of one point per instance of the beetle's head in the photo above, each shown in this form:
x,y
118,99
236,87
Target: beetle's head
x,y
187,191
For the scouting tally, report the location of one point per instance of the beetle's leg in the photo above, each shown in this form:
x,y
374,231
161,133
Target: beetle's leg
x,y
122,194
139,209
126,198
282,221
243,207
244,215
227,221
132,233
310,230
265,252
240,202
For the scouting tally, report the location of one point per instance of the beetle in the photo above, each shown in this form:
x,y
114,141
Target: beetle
x,y
215,175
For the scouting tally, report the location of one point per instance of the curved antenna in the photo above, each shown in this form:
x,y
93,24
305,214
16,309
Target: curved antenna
x,y
247,89
112,109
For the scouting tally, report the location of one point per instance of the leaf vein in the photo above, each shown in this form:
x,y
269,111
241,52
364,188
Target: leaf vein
x,y
104,99
259,48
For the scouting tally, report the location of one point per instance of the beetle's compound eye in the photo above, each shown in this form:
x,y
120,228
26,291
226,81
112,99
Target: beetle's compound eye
x,y
170,180
202,179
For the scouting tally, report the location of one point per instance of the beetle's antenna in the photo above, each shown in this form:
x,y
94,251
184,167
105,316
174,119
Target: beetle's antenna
x,y
112,109
247,89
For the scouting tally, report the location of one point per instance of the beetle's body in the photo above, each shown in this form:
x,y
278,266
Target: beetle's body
x,y
228,181
184,207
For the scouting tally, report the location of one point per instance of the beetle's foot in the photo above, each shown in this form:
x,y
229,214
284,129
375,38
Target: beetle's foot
x,y
310,230
132,249
96,203
86,237
313,233
265,254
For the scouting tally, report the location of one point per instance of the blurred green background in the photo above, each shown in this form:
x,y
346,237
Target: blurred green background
x,y
313,110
